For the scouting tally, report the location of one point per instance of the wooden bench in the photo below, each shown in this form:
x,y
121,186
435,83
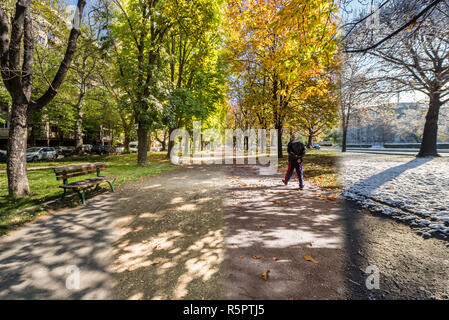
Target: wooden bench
x,y
80,186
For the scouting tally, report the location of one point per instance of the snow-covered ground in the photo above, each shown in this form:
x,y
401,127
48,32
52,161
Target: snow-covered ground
x,y
411,189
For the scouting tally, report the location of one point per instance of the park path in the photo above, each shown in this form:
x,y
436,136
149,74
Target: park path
x,y
295,234
37,260
210,232
177,235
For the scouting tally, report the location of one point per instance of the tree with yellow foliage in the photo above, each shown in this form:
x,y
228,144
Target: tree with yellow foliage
x,y
280,52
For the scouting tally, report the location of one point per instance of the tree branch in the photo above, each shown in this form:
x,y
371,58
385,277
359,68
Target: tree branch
x,y
64,66
397,31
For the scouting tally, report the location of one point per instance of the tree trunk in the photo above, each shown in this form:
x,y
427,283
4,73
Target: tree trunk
x,y
170,143
142,147
47,133
344,138
150,142
101,135
429,142
279,142
310,140
79,130
16,165
127,141
164,141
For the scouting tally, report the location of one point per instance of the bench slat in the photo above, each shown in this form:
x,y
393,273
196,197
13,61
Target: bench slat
x,y
76,174
58,174
79,167
88,182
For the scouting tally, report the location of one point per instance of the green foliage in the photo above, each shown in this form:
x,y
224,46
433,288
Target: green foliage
x,y
5,103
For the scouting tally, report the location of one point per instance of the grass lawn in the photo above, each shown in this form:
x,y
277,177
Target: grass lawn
x,y
44,186
320,168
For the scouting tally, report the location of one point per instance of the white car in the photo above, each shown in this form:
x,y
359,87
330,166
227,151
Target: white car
x,y
133,146
38,153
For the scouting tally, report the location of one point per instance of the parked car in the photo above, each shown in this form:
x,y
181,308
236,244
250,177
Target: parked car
x,y
59,150
39,153
109,150
87,147
2,156
316,146
96,149
133,146
68,151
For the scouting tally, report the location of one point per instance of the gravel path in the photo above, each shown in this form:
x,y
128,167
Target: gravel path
x,y
410,189
295,234
210,232
410,267
39,260
171,242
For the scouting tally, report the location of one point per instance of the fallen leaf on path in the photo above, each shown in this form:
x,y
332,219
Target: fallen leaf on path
x,y
309,258
310,243
275,259
259,226
256,257
265,275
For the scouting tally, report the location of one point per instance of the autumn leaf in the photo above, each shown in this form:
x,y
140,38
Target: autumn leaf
x,y
309,258
256,257
265,275
275,259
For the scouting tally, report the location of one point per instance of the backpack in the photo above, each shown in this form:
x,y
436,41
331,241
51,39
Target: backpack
x,y
298,148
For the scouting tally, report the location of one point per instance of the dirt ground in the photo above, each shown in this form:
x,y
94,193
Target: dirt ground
x,y
410,266
170,243
211,232
274,227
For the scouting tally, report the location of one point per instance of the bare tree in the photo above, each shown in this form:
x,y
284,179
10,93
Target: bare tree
x,y
17,75
354,90
419,62
422,10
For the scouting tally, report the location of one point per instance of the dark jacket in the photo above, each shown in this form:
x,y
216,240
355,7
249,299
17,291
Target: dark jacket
x,y
296,150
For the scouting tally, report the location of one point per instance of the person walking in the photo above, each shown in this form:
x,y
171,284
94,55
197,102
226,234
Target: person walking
x,y
296,152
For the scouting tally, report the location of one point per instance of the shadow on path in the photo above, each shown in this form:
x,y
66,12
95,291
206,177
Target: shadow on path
x,y
171,237
273,227
34,259
370,184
